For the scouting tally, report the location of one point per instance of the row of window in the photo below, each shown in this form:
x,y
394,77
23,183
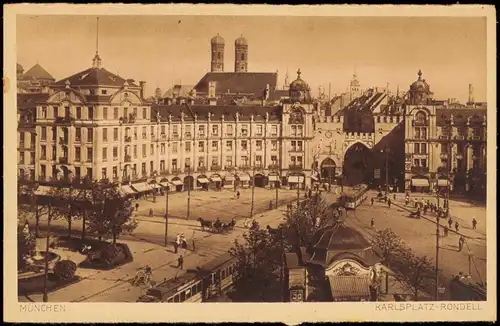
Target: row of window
x,y
68,112
22,158
78,134
43,153
55,171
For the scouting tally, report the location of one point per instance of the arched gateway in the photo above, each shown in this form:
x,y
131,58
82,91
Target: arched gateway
x,y
358,165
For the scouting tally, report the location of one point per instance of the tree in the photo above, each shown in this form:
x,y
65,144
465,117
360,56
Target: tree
x,y
111,214
259,262
71,193
415,272
389,244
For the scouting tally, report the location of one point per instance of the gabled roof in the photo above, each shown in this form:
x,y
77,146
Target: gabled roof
x,y
37,72
252,83
95,76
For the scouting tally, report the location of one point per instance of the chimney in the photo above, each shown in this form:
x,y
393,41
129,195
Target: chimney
x,y
142,84
471,94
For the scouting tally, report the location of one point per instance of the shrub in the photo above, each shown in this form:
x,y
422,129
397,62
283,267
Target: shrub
x,y
112,255
65,269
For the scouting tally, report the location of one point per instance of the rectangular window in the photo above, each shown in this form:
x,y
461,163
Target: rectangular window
x,y
105,113
21,157
299,146
135,133
187,162
229,130
43,171
424,163
144,135
104,154
294,130
152,130
135,151
299,131
105,134
143,170
78,172
90,135
293,146
244,160
152,149
21,138
423,148
175,131
115,113
162,165
201,146
215,146
229,145
115,134
299,160
244,130
258,144
77,154
174,147
201,131
54,153
244,145
151,168
104,174
144,113
274,159
89,154
416,148
134,112
201,161
259,130
115,153
215,130
162,149
187,131
215,160
174,164
78,112
125,113
258,160
187,147
143,150
115,172
43,152
91,113
274,145
229,161
56,111
274,130
78,134
44,133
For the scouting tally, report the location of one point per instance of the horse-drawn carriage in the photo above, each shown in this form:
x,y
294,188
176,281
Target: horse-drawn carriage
x,y
217,226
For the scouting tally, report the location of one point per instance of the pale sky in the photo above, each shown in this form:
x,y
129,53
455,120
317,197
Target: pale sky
x,y
163,50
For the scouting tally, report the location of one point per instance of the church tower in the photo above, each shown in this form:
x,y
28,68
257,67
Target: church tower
x,y
217,62
241,54
354,87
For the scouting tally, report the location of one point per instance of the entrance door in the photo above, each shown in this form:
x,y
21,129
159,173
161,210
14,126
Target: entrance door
x,y
358,165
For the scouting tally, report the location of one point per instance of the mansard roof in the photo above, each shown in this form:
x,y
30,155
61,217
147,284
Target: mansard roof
x,y
95,77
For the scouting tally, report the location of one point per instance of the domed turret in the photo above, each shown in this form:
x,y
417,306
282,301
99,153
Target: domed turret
x,y
241,54
217,39
217,62
420,92
299,90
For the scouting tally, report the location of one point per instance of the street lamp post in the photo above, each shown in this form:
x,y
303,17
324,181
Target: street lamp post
x,y
166,214
437,258
190,184
47,245
276,186
253,192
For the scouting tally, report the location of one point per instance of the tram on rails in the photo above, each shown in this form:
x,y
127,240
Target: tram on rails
x,y
354,197
200,285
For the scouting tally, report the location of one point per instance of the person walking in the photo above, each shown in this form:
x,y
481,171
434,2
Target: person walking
x,y
445,231
150,212
460,243
310,193
238,194
474,223
450,222
194,243
136,207
394,196
180,262
372,223
389,203
456,226
373,200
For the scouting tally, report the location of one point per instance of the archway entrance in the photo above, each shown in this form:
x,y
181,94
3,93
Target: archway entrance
x,y
260,180
358,165
188,183
328,167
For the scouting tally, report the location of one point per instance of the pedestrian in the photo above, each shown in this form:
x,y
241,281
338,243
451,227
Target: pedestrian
x,y
407,200
180,262
238,194
445,231
474,223
389,202
456,226
450,222
270,205
394,196
310,193
176,246
372,223
425,209
194,244
461,241
373,200
151,212
329,187
136,207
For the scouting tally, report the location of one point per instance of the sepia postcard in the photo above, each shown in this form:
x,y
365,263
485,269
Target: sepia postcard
x,y
263,163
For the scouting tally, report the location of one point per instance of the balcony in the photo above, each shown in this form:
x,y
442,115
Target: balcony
x,y
63,160
295,166
128,139
273,166
65,120
128,158
419,170
215,167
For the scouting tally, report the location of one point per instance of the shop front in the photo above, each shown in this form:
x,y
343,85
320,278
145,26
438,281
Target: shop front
x,y
215,182
243,180
229,181
419,184
178,184
295,181
202,182
273,179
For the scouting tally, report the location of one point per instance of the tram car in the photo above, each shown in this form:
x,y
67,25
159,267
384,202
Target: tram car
x,y
200,285
354,197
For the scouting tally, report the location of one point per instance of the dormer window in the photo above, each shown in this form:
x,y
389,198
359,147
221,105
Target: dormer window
x,y
104,91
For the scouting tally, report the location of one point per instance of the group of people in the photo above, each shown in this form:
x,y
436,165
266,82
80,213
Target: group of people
x,y
181,241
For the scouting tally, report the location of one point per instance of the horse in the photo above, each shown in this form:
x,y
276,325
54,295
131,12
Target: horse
x,y
217,226
204,224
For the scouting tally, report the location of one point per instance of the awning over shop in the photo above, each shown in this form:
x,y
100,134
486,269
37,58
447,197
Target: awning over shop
x,y
203,180
215,178
349,287
273,178
244,177
229,177
43,190
155,185
177,182
141,187
295,179
127,190
442,182
165,184
420,182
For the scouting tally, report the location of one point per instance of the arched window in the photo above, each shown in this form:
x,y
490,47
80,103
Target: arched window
x,y
420,117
